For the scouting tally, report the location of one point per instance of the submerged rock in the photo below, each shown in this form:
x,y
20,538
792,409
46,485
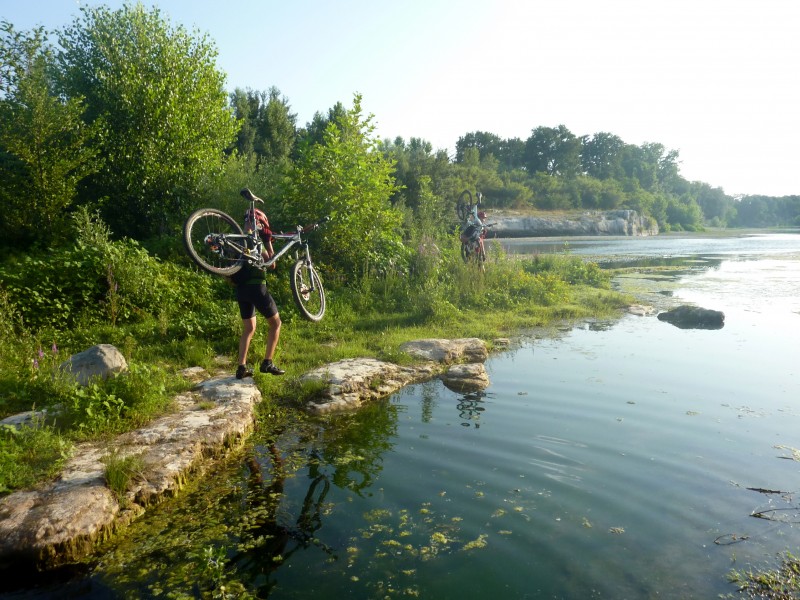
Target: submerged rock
x,y
692,317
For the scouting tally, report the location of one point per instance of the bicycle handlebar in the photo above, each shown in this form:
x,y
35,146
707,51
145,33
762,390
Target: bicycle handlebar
x,y
313,226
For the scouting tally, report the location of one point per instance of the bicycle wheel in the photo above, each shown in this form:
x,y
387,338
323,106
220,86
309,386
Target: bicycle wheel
x,y
307,291
463,205
203,237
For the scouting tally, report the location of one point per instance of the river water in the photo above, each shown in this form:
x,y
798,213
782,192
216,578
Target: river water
x,y
628,459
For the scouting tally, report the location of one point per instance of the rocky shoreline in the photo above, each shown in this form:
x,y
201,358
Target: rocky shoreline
x,y
62,521
589,223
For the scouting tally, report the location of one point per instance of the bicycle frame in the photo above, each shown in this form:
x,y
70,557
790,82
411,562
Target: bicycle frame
x,y
252,248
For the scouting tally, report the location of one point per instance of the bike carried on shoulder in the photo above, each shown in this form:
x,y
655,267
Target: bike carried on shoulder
x,y
474,228
217,244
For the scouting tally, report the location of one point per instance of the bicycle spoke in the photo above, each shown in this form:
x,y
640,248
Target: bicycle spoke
x,y
205,239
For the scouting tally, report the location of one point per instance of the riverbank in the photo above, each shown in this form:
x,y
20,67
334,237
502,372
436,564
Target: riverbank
x,y
36,528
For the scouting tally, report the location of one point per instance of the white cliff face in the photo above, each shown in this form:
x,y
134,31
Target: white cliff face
x,y
614,222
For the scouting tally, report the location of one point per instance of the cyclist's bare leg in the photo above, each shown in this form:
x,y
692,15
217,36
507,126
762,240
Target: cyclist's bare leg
x,y
273,335
248,329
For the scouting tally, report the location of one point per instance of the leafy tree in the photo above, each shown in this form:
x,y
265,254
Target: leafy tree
x,y
554,151
245,105
347,178
716,206
510,153
601,155
652,165
267,127
44,144
684,213
314,132
159,99
276,129
551,193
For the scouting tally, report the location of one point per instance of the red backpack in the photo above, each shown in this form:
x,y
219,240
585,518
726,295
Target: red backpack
x,y
260,222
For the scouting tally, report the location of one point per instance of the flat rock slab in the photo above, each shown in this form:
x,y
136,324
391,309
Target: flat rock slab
x,y
641,310
60,522
448,351
350,383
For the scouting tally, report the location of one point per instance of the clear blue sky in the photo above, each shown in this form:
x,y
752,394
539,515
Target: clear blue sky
x,y
717,80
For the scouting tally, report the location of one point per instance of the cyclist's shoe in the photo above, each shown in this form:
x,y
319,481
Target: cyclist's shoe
x,y
269,367
243,371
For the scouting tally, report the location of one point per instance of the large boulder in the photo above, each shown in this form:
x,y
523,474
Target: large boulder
x,y
469,377
103,361
693,317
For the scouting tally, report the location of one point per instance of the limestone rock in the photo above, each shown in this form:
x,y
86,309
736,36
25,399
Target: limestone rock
x,y
447,351
468,377
103,361
589,223
351,382
194,374
60,522
692,317
641,310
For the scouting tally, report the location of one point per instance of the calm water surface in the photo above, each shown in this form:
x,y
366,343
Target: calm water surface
x,y
619,460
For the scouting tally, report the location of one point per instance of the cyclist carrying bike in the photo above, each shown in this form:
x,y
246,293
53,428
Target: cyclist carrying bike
x,y
252,295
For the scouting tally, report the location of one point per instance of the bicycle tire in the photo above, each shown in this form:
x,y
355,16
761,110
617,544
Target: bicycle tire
x,y
463,206
206,222
307,290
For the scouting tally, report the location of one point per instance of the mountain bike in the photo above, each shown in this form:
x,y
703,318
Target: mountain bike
x,y
216,242
474,228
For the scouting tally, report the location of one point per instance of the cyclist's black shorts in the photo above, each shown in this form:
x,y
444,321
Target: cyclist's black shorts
x,y
253,296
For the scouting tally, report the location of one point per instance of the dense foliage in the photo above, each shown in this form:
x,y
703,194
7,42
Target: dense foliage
x,y
156,95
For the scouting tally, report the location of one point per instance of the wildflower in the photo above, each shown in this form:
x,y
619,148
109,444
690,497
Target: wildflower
x,y
54,348
41,354
35,364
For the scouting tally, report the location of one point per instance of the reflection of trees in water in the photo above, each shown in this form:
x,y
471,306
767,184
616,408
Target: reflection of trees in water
x,y
265,540
352,445
345,450
428,401
470,406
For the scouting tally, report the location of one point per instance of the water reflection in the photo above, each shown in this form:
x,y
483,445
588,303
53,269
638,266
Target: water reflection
x,y
470,406
265,543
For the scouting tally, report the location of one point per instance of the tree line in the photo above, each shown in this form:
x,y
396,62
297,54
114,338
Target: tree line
x,y
126,114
